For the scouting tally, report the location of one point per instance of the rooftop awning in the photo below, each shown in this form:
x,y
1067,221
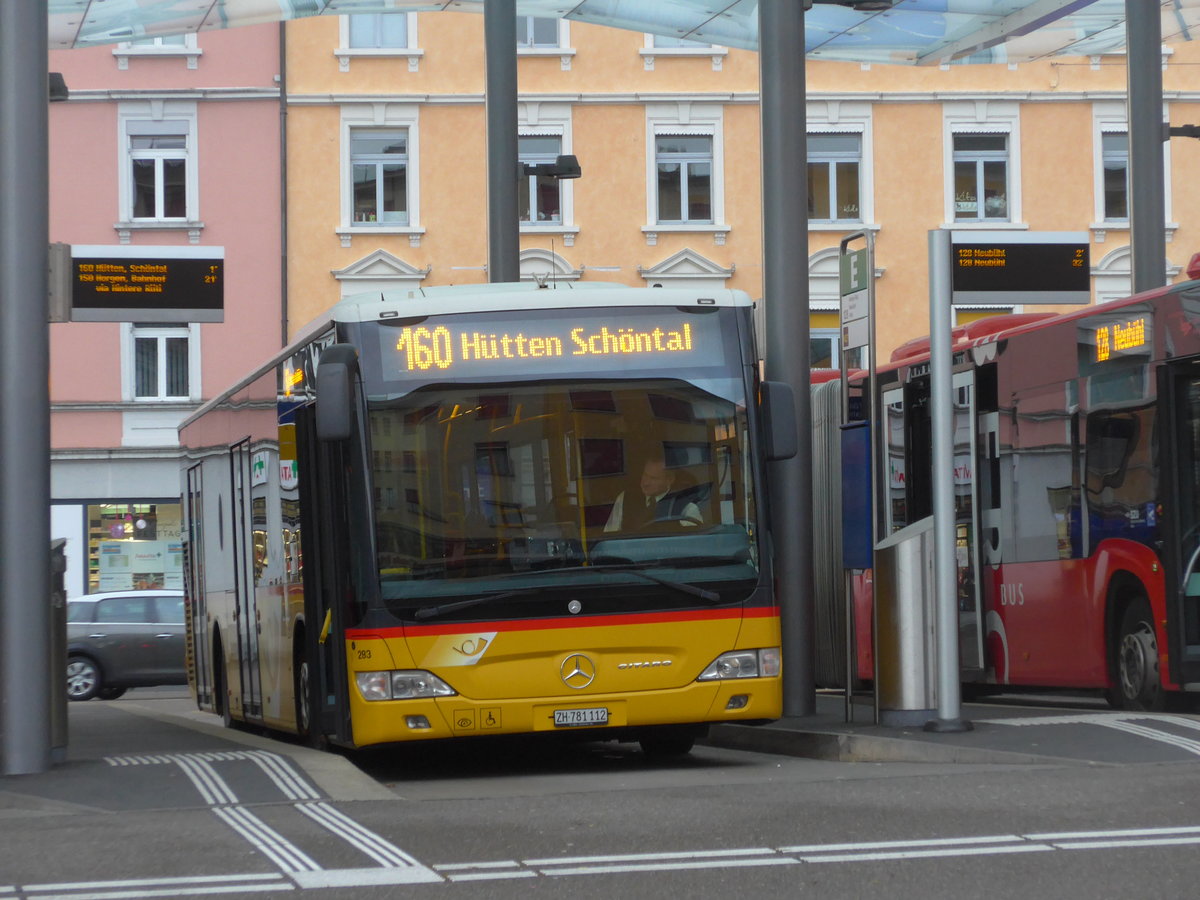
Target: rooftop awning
x,y
885,31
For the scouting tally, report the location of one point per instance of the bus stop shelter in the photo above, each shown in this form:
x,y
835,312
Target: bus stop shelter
x,y
784,32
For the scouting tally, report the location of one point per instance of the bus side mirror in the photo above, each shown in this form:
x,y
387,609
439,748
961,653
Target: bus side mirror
x,y
777,403
336,369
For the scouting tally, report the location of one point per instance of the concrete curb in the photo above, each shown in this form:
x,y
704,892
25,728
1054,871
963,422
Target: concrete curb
x,y
852,747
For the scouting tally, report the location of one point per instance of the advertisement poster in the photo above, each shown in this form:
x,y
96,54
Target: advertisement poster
x,y
140,565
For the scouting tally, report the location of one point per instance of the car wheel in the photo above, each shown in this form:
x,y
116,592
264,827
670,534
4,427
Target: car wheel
x,y
83,678
1137,686
110,693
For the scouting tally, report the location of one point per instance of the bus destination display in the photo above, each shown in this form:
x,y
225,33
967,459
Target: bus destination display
x,y
464,347
120,288
1019,269
1127,338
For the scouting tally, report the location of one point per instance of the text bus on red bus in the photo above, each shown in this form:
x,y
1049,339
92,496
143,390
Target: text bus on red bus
x,y
401,527
1076,493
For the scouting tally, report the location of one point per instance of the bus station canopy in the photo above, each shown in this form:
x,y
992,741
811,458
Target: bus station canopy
x,y
911,32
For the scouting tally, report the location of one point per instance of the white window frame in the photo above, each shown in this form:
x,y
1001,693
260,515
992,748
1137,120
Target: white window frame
x,y
830,160
130,332
148,118
563,49
649,52
411,51
1109,117
848,117
686,118
834,336
551,120
381,117
528,184
983,117
188,50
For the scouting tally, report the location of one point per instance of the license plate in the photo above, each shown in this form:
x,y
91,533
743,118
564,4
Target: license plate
x,y
568,718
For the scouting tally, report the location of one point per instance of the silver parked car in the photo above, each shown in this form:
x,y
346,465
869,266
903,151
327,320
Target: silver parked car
x,y
123,639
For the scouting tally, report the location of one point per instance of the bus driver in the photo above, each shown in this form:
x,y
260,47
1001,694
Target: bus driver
x,y
659,502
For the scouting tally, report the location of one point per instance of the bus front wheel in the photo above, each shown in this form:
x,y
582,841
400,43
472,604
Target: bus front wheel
x,y
1136,679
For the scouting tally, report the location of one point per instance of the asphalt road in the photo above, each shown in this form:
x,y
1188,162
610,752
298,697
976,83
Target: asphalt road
x,y
201,814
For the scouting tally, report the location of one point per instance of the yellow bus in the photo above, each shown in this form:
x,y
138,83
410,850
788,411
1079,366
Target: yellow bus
x,y
495,509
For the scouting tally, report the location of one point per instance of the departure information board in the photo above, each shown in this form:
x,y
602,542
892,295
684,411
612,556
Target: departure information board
x,y
1011,268
158,284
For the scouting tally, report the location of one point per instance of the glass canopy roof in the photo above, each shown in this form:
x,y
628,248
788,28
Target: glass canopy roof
x,y
886,31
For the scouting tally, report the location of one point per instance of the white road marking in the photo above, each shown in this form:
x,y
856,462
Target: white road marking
x,y
286,855
1127,722
395,866
356,835
157,887
805,854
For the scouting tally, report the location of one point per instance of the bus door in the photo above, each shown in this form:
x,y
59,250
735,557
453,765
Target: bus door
x,y
908,478
324,539
1179,393
197,646
966,524
245,611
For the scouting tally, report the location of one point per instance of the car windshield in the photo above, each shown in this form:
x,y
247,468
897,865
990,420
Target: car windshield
x,y
628,494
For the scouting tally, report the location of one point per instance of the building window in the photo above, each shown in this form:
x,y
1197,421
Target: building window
x,y
158,176
157,183
685,167
981,177
833,166
134,546
161,363
539,201
378,31
536,32
823,348
173,45
1114,151
379,175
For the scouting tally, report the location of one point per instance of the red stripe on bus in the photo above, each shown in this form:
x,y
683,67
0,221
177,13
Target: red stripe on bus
x,y
691,615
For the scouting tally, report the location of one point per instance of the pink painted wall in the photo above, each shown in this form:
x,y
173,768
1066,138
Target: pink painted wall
x,y
235,90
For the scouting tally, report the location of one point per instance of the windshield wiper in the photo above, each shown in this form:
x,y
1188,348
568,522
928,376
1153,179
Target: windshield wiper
x,y
681,586
432,612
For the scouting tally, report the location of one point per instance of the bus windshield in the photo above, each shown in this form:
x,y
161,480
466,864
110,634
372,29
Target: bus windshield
x,y
624,494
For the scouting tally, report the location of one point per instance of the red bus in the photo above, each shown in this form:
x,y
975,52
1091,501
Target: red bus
x,y
1077,493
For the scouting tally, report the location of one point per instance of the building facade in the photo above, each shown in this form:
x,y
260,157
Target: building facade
x,y
168,148
387,162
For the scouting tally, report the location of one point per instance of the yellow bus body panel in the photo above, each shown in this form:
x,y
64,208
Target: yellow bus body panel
x,y
510,677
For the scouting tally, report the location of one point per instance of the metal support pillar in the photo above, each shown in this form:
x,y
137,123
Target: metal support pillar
x,y
785,292
1147,208
500,48
945,566
25,613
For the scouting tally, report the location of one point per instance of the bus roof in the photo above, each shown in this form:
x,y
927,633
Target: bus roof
x,y
470,298
996,327
467,298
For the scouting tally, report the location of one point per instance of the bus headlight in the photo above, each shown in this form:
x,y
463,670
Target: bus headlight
x,y
764,663
401,684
